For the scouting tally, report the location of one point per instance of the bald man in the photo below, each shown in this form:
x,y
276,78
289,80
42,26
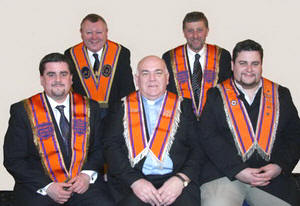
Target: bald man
x,y
150,143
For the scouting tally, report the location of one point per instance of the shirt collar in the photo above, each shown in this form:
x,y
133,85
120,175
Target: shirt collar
x,y
53,103
90,54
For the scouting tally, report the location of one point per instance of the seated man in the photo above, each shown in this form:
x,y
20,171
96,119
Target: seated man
x,y
250,130
52,145
150,144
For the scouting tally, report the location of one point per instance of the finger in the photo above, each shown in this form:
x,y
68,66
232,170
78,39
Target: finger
x,y
262,183
157,196
72,181
153,200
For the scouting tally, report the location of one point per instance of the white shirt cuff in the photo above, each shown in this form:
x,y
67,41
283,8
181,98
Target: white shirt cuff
x,y
43,191
92,174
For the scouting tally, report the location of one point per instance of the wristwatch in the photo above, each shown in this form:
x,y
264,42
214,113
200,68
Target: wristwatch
x,y
185,182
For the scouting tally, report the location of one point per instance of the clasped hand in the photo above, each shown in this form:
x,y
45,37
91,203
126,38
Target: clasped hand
x,y
61,192
163,196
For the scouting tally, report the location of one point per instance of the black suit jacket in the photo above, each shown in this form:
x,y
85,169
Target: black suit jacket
x,y
185,151
224,72
21,157
122,83
223,159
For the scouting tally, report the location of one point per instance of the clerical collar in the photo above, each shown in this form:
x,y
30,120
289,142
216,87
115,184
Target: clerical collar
x,y
153,102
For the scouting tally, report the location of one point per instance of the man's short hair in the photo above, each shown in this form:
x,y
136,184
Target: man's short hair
x,y
247,45
92,18
193,17
53,57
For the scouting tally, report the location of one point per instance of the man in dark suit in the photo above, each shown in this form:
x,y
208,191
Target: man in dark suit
x,y
150,144
101,68
196,66
52,145
250,130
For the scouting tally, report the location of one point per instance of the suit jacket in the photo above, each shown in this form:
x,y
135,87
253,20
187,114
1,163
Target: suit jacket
x,y
224,73
21,157
185,152
223,158
122,83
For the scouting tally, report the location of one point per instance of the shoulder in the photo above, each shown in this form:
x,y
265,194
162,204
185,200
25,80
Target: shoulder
x,y
18,107
167,54
67,51
284,93
124,50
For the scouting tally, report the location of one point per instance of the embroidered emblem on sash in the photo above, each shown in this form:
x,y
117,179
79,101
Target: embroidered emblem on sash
x,y
182,76
79,126
209,76
45,130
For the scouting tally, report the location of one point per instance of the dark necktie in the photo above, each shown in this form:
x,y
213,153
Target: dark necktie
x,y
97,63
196,78
64,128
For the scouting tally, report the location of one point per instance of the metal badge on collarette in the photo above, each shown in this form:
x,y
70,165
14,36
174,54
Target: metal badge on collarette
x,y
106,70
86,72
233,102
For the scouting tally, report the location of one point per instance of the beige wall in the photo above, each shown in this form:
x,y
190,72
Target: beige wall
x,y
30,29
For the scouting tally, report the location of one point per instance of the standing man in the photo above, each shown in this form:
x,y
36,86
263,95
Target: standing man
x,y
101,67
150,143
52,145
251,133
196,66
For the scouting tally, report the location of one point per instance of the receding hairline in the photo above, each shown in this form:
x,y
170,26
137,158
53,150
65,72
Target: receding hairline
x,y
149,58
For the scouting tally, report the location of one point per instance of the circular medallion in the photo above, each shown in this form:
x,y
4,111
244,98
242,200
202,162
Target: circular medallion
x,y
106,70
233,102
86,72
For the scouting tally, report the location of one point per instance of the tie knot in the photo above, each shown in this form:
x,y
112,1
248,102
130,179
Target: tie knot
x,y
197,57
95,56
60,108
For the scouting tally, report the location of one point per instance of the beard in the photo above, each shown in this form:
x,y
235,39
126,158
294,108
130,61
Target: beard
x,y
58,91
248,85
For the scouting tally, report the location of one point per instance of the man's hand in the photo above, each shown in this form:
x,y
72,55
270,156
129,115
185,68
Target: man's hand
x,y
59,192
146,192
80,183
170,190
269,171
251,176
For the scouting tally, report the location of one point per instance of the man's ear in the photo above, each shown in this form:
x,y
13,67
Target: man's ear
x,y
41,80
